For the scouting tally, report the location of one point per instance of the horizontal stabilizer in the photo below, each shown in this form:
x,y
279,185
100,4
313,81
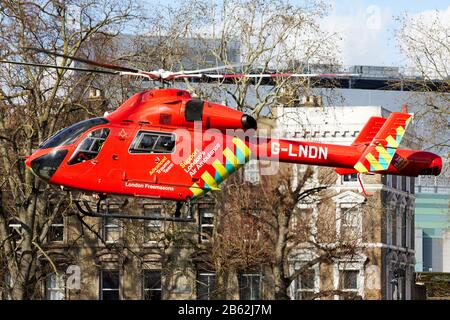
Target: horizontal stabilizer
x,y
369,131
343,171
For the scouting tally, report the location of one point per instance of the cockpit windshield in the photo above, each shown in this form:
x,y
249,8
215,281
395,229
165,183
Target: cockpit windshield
x,y
69,135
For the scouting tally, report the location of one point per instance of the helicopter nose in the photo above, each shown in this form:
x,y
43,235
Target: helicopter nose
x,y
46,165
248,122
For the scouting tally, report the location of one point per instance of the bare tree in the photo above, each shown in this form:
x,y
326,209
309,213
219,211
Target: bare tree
x,y
270,35
261,226
36,102
425,42
266,35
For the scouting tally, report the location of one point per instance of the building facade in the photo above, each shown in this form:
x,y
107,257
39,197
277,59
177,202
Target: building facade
x,y
433,222
385,267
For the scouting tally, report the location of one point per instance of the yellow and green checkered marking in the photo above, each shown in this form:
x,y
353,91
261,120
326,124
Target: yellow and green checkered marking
x,y
385,155
234,160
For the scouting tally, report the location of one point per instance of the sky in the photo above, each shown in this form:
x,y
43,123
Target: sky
x,y
368,27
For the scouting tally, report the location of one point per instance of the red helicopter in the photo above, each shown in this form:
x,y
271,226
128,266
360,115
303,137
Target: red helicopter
x,y
165,144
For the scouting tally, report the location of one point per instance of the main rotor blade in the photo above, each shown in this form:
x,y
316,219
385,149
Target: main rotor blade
x,y
87,61
281,75
231,66
59,67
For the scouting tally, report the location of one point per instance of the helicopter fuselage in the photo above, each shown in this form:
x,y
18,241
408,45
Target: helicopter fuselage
x,y
164,144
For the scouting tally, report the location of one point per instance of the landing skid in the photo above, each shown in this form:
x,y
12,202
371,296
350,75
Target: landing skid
x,y
84,208
362,186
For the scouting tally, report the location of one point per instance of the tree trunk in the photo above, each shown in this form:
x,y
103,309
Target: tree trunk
x,y
20,262
221,285
27,259
281,283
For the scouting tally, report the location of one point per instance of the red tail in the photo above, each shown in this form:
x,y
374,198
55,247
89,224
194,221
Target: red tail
x,y
379,154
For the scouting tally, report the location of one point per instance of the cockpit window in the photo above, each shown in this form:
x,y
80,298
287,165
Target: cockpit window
x,y
69,135
90,147
153,142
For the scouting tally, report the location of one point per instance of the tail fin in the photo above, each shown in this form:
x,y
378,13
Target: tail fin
x,y
364,138
379,153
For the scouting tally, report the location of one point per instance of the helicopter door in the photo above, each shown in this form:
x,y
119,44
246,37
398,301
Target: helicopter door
x,y
88,155
149,158
90,147
118,153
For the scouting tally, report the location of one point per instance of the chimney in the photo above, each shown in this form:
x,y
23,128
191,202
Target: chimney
x,y
405,108
311,101
94,93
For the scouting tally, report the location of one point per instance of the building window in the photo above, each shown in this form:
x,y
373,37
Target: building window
x,y
304,285
152,285
350,223
206,282
206,213
349,283
404,228
210,59
402,287
54,288
394,182
152,227
409,278
251,171
389,225
404,183
412,184
353,177
411,233
391,282
398,222
398,282
111,226
56,229
250,286
110,285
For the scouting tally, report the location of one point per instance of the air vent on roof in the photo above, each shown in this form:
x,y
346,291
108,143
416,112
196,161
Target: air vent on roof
x,y
172,102
194,110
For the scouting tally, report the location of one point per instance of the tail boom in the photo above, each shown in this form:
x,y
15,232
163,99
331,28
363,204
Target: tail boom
x,y
303,152
344,158
375,150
